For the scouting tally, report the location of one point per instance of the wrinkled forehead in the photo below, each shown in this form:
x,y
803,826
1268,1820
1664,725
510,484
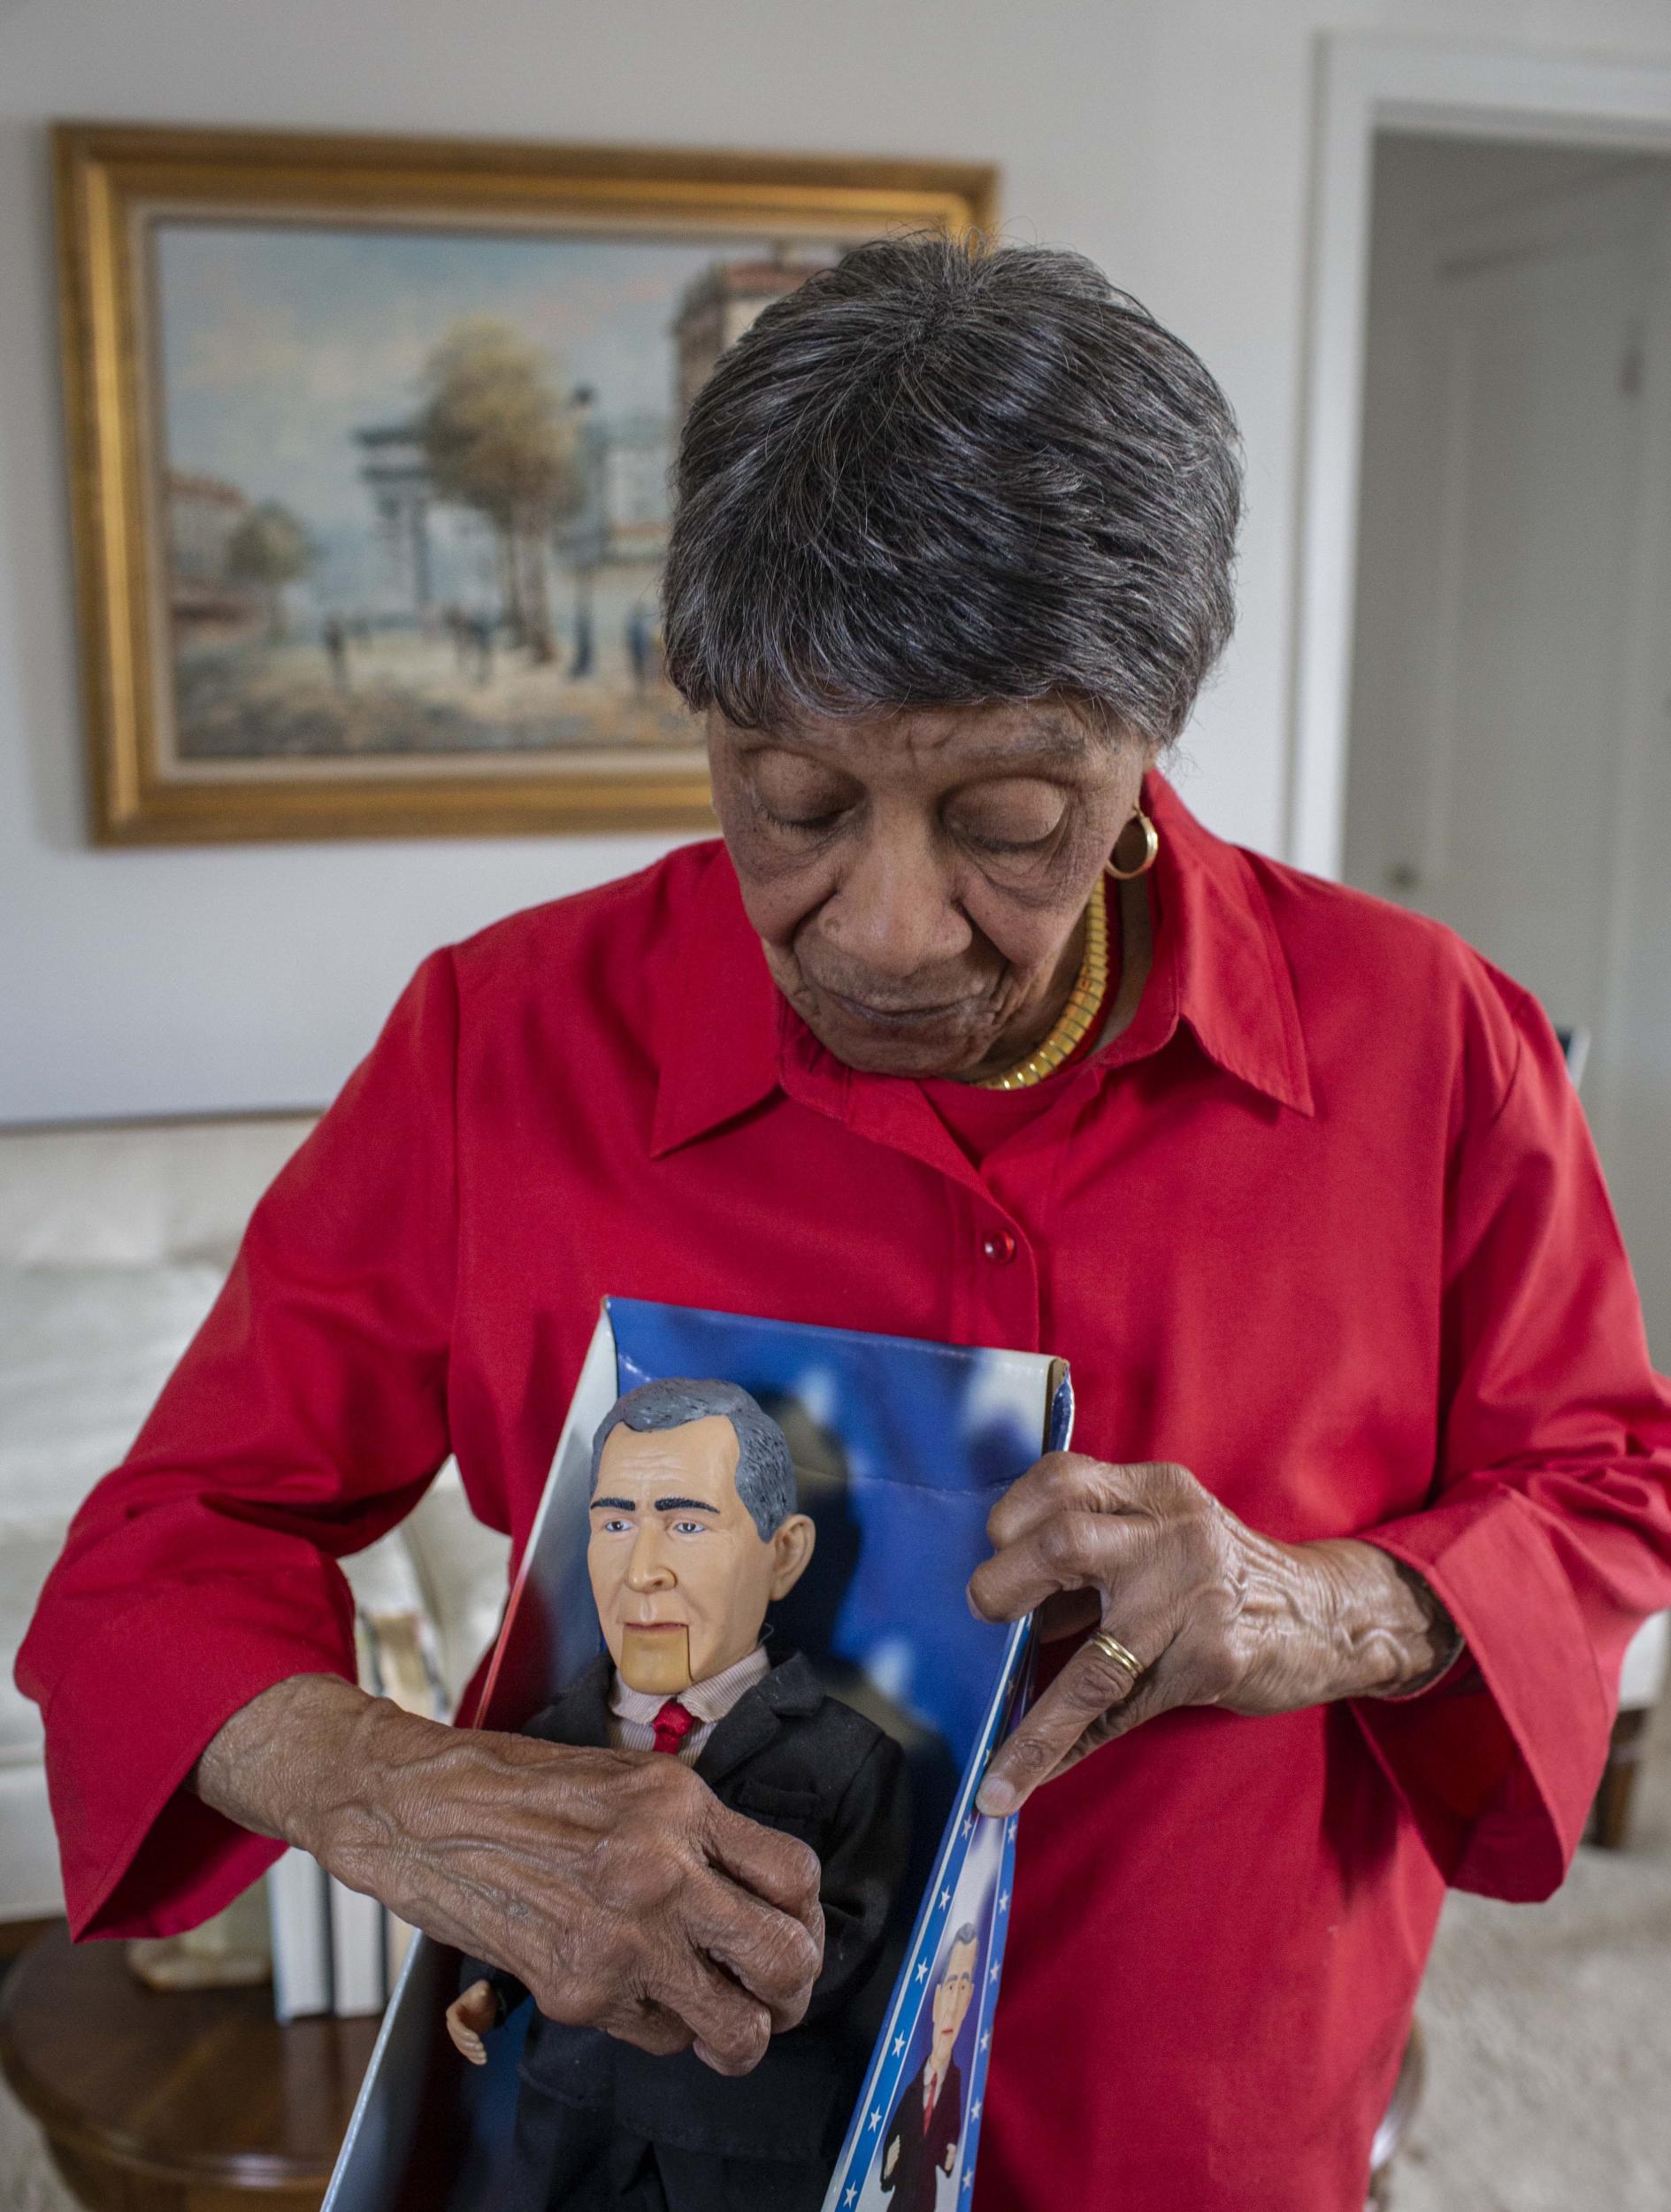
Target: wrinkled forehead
x,y
638,1462
991,737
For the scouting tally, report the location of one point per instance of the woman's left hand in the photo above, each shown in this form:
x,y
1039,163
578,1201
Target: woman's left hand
x,y
1213,1613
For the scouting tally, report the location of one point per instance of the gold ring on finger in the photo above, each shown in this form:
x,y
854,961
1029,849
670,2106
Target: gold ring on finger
x,y
1111,1648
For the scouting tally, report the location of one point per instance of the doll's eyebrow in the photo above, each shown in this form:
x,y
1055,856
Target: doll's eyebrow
x,y
685,1505
614,1505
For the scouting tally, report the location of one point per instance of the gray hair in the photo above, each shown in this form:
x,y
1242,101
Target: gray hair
x,y
941,473
765,1472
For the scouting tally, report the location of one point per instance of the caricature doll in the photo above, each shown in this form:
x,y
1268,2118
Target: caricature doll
x,y
694,1531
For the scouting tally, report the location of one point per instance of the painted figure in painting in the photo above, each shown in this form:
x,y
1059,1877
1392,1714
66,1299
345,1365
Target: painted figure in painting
x,y
928,2120
693,1533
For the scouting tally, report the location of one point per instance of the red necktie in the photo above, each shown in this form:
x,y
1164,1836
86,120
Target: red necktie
x,y
672,1724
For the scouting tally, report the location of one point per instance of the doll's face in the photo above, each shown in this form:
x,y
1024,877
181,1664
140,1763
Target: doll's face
x,y
952,1995
681,1576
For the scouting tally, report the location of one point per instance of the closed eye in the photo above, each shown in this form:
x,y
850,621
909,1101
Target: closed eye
x,y
1012,847
806,825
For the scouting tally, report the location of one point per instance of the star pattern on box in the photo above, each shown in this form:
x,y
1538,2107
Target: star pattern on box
x,y
954,1894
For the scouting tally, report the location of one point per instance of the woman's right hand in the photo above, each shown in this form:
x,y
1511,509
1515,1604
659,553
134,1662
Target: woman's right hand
x,y
613,1884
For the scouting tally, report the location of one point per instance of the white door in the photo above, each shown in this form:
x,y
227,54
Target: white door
x,y
1511,743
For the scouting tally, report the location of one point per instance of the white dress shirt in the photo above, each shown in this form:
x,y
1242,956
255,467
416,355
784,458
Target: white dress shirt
x,y
632,1712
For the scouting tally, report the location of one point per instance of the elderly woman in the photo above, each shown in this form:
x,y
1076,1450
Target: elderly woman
x,y
967,1030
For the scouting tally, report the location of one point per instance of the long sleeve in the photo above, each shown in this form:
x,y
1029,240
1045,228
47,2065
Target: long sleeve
x,y
1549,1534
303,1422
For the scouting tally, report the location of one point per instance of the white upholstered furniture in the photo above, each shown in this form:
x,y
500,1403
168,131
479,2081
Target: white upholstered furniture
x,y
114,1243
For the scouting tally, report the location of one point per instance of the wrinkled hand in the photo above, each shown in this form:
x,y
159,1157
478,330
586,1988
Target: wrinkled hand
x,y
613,1884
1213,1613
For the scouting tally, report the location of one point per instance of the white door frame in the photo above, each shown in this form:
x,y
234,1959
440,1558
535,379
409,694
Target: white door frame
x,y
1365,85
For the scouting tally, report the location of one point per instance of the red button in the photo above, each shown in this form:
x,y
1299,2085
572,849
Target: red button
x,y
998,1247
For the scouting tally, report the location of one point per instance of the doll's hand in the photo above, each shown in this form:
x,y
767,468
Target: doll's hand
x,y
469,2017
1212,1612
613,1884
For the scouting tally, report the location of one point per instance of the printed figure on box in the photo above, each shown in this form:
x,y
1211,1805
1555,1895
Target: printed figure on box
x,y
928,2120
693,1533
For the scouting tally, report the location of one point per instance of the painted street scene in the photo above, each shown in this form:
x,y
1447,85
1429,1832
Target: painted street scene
x,y
416,483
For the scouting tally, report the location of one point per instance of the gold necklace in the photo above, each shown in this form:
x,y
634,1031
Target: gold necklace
x,y
1084,1005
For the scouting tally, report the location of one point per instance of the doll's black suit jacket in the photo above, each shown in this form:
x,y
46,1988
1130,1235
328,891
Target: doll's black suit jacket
x,y
793,1758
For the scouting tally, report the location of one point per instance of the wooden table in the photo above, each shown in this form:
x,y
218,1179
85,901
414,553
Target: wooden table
x,y
176,2102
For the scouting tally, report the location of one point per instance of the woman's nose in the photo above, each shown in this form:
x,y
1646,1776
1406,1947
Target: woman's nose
x,y
648,1568
894,915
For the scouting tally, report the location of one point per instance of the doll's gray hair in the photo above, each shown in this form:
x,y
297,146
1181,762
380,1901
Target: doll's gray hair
x,y
765,1472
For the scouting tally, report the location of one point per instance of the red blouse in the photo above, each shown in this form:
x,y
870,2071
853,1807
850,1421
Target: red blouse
x,y
1324,1223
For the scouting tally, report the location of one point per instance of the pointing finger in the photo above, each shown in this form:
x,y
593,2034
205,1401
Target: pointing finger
x,y
1092,1684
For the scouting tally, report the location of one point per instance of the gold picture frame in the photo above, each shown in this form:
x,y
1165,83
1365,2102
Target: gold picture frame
x,y
251,672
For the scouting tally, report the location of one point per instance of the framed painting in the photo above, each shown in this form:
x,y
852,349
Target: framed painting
x,y
369,443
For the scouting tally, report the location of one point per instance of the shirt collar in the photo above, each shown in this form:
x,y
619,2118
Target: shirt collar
x,y
709,1701
1219,969
1216,949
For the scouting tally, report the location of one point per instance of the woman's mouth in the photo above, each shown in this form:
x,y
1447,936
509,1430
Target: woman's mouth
x,y
877,1016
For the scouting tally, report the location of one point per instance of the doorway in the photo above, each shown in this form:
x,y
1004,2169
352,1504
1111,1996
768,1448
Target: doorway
x,y
1509,762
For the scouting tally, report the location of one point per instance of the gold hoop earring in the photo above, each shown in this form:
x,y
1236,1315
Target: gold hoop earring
x,y
1151,847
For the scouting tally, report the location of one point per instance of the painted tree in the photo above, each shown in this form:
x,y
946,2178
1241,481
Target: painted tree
x,y
498,438
270,549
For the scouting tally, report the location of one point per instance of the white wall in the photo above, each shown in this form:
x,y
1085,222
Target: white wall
x,y
1168,139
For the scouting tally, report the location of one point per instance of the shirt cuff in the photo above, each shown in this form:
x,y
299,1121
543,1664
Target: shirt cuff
x,y
1497,1760
131,1714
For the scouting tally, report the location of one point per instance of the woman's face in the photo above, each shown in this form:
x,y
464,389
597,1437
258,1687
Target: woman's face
x,y
918,877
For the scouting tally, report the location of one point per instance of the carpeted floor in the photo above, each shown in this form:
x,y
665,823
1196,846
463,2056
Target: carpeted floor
x,y
1549,2036
1549,2044
27,2183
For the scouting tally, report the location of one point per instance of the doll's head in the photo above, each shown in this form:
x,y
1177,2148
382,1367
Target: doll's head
x,y
695,1530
